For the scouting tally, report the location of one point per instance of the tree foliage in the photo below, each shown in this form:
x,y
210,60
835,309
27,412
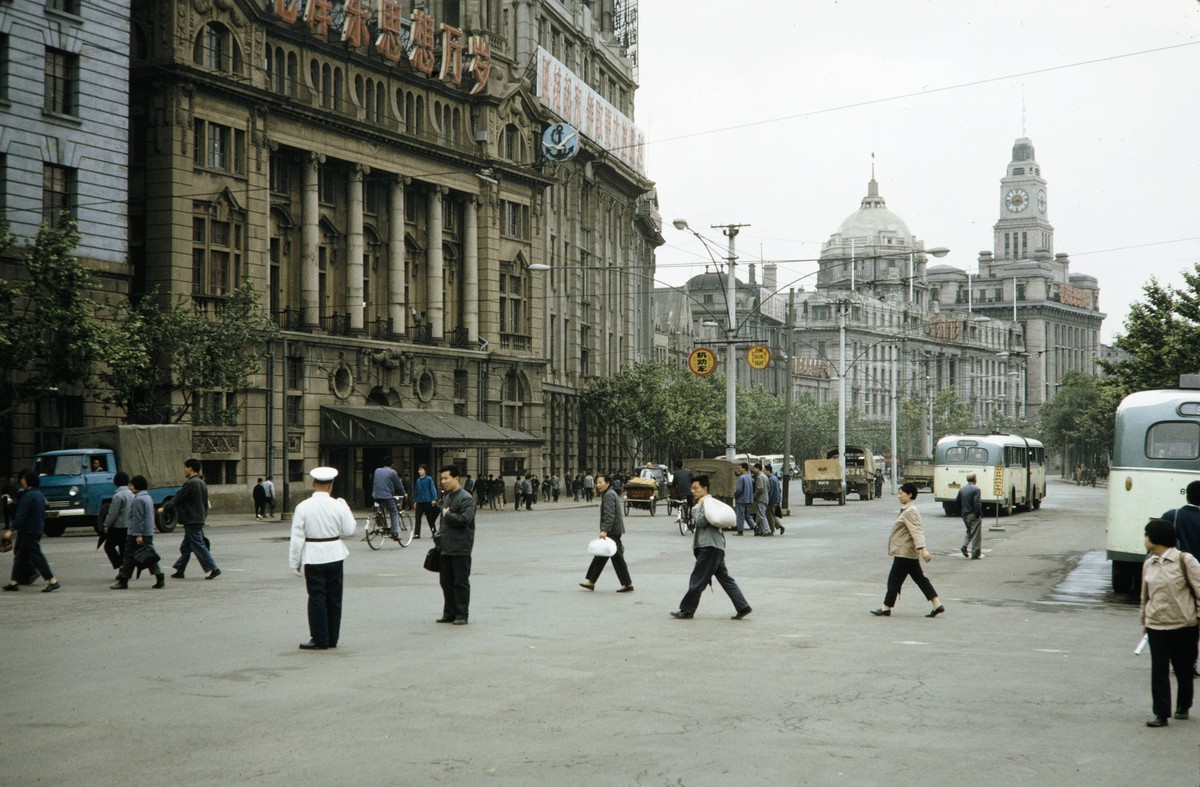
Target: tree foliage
x,y
164,359
50,333
1080,418
1162,337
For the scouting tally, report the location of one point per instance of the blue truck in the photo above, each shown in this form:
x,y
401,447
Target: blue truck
x,y
78,479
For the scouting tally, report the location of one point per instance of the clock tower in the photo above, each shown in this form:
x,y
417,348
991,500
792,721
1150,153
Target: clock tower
x,y
1023,229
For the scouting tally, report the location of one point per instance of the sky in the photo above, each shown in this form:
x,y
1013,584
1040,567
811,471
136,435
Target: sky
x,y
768,113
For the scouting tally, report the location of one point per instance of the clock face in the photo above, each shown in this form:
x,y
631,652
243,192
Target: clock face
x,y
1042,200
1016,200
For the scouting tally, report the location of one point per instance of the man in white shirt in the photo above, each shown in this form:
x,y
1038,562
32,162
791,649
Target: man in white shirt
x,y
318,525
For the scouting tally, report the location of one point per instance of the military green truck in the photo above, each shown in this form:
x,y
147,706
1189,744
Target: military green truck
x,y
860,469
823,481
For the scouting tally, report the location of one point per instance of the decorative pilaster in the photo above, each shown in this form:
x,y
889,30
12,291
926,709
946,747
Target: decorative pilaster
x,y
471,270
435,291
396,283
309,241
354,248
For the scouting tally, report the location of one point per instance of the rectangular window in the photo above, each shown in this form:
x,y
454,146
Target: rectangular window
x,y
58,193
460,384
64,6
1024,244
62,78
295,469
1006,248
371,198
328,186
218,471
295,412
219,147
280,177
295,374
1173,440
216,256
3,66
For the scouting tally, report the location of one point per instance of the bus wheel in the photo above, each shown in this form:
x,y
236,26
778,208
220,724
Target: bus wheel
x,y
1126,577
1008,504
1037,500
948,507
54,528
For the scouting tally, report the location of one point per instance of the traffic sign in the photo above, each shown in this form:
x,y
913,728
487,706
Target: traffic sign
x,y
758,356
702,362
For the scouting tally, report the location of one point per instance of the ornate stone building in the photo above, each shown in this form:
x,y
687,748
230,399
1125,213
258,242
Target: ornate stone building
x,y
374,171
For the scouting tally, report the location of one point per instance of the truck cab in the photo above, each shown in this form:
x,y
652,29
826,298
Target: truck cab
x,y
75,483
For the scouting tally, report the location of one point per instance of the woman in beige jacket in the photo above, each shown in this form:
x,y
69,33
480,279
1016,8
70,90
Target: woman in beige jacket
x,y
1170,587
906,543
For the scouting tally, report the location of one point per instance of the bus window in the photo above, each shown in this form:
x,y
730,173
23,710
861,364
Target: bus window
x,y
977,456
955,455
1173,440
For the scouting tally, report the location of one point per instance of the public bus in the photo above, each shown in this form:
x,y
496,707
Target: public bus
x,y
1010,470
1156,454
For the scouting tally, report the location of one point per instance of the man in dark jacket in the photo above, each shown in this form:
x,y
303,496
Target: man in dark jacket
x,y
970,502
455,539
29,522
191,505
612,525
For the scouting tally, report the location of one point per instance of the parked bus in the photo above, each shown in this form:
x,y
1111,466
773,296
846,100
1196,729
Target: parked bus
x,y
1156,454
1010,470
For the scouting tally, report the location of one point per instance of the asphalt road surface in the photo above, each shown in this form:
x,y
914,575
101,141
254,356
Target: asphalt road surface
x,y
1029,677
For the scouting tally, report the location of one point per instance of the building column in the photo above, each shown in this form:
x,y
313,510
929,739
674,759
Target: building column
x,y
471,270
310,239
435,292
354,248
396,303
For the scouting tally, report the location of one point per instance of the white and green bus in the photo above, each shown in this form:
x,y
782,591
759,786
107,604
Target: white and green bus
x,y
1010,470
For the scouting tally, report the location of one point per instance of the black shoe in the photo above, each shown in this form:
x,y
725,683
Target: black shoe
x,y
781,530
1182,715
310,645
976,557
12,587
626,589
940,609
737,532
120,584
742,614
460,621
1158,721
681,615
881,612
161,582
587,585
444,620
964,551
53,586
216,572
177,575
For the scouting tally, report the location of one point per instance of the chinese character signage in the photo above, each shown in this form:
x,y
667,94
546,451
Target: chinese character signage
x,y
758,356
380,25
702,362
1075,296
570,98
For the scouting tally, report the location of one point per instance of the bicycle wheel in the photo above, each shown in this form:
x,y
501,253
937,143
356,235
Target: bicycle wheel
x,y
375,531
406,529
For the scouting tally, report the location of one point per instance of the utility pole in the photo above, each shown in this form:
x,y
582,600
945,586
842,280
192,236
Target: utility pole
x,y
731,329
787,397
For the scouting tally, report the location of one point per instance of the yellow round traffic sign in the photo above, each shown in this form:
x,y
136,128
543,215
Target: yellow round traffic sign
x,y
758,356
702,362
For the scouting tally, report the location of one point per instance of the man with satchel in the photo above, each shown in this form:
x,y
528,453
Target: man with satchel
x,y
140,534
455,539
318,525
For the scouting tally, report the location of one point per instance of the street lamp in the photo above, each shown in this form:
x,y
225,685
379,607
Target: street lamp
x,y
731,326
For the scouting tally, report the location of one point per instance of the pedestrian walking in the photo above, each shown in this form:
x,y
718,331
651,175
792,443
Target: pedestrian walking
x,y
29,524
1170,588
555,487
425,497
743,498
589,486
1186,520
141,534
386,486
259,495
612,525
576,487
269,491
455,541
190,504
116,521
317,553
878,483
905,545
708,546
774,500
518,494
970,503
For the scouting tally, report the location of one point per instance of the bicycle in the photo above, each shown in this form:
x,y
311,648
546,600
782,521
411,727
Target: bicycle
x,y
379,527
684,518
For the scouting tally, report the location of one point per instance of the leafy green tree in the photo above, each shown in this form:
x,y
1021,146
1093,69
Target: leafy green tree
x,y
164,359
50,332
1080,418
1162,337
760,418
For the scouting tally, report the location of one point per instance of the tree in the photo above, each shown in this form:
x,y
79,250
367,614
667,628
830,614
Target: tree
x,y
164,360
1162,337
50,334
1080,418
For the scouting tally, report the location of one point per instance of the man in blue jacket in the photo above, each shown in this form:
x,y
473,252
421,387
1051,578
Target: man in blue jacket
x,y
385,486
141,533
425,496
743,499
29,522
191,504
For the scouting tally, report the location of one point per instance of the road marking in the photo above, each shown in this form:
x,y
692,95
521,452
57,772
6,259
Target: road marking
x,y
1049,650
910,642
387,575
794,636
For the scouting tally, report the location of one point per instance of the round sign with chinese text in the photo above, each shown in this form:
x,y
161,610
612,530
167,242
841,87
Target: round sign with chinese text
x,y
758,356
702,362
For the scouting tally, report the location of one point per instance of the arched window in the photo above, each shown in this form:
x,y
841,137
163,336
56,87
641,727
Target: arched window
x,y
360,91
292,69
373,269
217,49
314,76
447,128
337,89
326,85
410,106
511,142
420,126
512,413
379,103
276,71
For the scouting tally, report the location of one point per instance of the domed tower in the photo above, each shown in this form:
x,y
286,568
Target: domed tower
x,y
874,251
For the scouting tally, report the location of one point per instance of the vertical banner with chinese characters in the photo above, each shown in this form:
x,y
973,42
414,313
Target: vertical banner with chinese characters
x,y
570,98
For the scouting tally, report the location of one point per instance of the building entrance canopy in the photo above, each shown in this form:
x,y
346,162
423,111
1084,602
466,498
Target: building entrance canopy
x,y
377,425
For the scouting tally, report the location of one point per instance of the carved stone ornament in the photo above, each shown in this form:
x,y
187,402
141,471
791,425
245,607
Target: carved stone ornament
x,y
202,6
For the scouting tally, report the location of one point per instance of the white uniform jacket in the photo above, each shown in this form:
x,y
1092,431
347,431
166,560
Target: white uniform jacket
x,y
320,517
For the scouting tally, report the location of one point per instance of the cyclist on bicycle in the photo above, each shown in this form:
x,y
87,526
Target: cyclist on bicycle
x,y
681,489
385,487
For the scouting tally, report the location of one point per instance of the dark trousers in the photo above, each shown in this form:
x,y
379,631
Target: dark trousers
x,y
618,561
324,582
114,546
710,563
193,541
902,568
260,507
28,557
1171,649
454,575
131,546
429,512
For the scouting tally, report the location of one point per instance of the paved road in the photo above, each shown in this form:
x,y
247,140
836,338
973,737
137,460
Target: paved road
x,y
1028,678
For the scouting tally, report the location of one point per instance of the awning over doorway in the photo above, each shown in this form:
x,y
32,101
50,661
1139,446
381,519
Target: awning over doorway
x,y
368,425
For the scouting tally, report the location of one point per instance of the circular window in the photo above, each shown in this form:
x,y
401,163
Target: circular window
x,y
425,386
343,382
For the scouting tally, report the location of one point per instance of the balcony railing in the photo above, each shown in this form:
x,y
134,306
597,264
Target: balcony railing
x,y
336,324
512,341
289,319
381,328
422,334
461,338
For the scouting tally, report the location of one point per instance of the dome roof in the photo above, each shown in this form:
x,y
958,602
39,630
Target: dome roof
x,y
873,219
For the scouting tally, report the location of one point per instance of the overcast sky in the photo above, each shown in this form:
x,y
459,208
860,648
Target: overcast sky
x,y
938,90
